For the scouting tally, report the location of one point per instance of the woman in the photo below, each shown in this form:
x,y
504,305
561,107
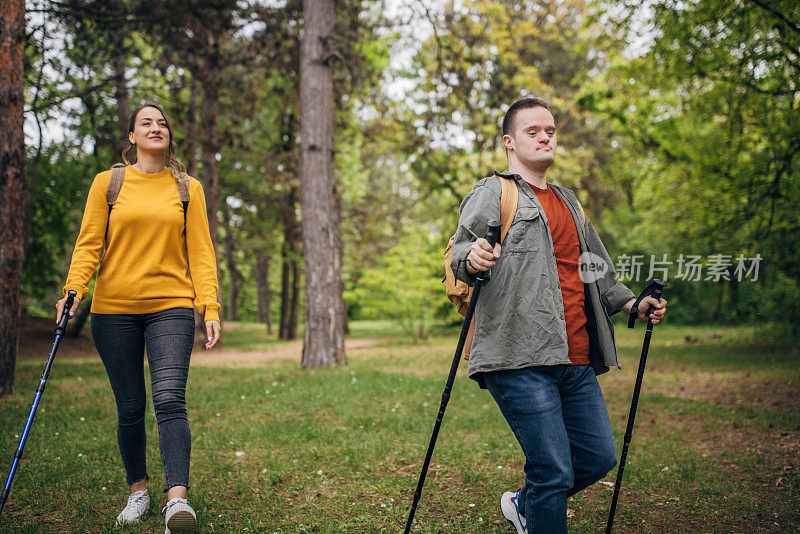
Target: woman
x,y
158,265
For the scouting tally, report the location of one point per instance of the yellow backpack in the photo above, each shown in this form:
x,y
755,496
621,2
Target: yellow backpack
x,y
459,292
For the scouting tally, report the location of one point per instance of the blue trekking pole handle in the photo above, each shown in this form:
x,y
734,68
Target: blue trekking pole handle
x,y
492,236
59,332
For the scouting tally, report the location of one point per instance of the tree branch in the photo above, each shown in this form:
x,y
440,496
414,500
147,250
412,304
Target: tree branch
x,y
80,94
777,14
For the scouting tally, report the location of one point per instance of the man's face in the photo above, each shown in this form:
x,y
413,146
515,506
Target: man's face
x,y
533,138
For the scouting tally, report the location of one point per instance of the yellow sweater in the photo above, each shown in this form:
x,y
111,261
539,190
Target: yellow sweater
x,y
150,264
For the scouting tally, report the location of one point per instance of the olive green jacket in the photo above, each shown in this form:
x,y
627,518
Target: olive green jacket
x,y
519,317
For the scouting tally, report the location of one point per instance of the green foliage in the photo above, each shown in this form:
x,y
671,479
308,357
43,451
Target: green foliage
x,y
61,188
705,127
404,286
482,57
685,145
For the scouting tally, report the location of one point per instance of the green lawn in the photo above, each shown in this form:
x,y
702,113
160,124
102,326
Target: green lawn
x,y
278,449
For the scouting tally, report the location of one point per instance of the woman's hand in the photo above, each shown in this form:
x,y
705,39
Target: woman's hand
x,y
60,307
213,333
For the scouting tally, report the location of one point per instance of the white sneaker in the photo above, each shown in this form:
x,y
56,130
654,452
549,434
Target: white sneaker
x,y
510,507
138,503
180,518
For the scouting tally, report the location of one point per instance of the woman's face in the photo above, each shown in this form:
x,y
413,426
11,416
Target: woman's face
x,y
150,132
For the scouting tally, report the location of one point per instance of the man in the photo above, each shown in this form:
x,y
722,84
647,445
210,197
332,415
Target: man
x,y
542,332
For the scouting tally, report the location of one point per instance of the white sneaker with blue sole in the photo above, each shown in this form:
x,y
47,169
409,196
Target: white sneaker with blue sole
x,y
510,506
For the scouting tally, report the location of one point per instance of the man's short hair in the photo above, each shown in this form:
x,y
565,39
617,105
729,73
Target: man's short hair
x,y
522,103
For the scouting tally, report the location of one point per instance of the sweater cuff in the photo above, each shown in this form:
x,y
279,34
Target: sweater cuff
x,y
211,312
80,289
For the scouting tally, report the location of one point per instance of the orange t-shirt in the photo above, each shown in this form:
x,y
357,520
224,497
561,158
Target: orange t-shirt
x,y
568,251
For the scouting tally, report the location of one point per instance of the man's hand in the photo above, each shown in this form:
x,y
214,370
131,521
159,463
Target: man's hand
x,y
60,307
482,257
658,313
213,333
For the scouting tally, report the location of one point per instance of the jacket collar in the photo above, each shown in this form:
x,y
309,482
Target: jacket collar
x,y
521,183
507,174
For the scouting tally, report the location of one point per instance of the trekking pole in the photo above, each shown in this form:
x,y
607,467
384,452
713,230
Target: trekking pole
x,y
492,235
655,289
62,325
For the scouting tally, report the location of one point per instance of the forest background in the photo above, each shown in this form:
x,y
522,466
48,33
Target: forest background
x,y
679,130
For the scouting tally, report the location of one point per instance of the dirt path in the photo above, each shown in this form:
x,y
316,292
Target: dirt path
x,y
36,339
290,351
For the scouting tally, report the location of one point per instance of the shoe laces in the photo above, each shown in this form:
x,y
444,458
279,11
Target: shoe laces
x,y
136,505
136,498
172,502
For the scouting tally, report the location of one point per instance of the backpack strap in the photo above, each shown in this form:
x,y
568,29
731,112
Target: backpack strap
x,y
115,184
582,213
509,198
183,192
112,192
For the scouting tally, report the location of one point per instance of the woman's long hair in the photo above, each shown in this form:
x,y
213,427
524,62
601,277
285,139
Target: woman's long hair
x,y
129,155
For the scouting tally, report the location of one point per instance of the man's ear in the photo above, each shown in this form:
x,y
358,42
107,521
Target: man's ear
x,y
507,142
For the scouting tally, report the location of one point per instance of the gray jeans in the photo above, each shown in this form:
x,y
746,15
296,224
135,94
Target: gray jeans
x,y
168,335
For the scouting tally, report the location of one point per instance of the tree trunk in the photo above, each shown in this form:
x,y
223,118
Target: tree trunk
x,y
199,329
283,329
121,92
77,324
233,275
294,310
34,167
191,140
290,285
91,112
323,343
342,308
264,293
208,76
12,184
209,140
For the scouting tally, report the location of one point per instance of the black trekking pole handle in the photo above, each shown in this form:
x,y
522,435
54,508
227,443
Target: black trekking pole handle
x,y
492,236
62,321
655,290
59,332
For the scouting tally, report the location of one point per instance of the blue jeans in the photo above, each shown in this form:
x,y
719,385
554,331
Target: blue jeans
x,y
559,417
168,335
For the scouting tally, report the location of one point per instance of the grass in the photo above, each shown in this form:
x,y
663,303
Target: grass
x,y
715,448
